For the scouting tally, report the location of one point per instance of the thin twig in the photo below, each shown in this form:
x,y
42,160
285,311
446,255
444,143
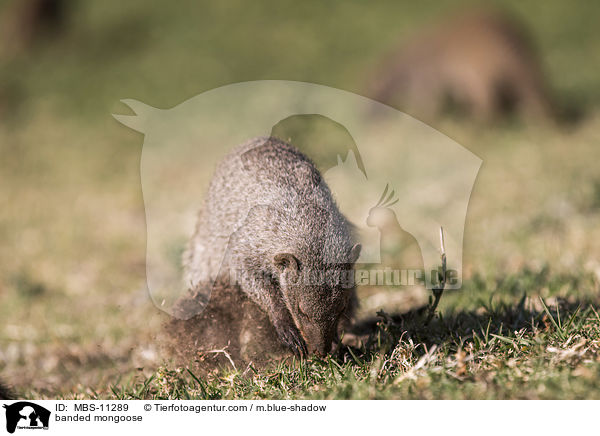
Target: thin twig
x,y
226,354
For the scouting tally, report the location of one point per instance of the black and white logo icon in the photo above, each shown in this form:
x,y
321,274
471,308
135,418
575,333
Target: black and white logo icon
x,y
26,415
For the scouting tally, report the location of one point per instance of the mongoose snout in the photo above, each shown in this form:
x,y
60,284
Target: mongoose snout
x,y
270,221
319,299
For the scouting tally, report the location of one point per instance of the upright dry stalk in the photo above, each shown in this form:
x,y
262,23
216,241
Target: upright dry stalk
x,y
439,288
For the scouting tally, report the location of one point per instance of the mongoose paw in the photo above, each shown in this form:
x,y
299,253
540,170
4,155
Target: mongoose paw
x,y
292,338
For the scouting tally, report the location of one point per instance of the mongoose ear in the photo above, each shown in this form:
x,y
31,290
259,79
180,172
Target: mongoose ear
x,y
355,253
283,261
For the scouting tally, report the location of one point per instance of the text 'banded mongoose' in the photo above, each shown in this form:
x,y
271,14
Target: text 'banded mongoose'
x,y
270,220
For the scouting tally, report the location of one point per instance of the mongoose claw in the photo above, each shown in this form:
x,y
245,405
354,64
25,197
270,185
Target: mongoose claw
x,y
292,338
296,343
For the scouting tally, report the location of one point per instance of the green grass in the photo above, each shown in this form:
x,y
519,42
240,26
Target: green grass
x,y
75,317
499,350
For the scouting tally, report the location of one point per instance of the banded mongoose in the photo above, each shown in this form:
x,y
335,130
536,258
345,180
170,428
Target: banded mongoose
x,y
270,220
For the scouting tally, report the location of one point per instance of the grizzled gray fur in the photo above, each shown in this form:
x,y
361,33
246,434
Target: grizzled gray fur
x,y
269,223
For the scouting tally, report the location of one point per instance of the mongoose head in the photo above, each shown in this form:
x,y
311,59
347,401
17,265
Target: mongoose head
x,y
317,296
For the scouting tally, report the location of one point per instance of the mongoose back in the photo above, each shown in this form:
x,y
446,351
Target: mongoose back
x,y
270,224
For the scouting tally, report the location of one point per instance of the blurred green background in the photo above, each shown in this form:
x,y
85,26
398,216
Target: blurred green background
x,y
163,54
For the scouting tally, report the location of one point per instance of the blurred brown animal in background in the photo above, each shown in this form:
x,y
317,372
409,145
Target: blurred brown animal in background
x,y
480,64
26,22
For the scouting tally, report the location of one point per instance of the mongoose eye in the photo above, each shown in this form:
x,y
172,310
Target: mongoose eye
x,y
283,261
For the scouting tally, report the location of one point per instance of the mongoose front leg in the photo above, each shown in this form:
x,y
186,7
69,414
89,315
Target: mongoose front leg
x,y
283,322
288,332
